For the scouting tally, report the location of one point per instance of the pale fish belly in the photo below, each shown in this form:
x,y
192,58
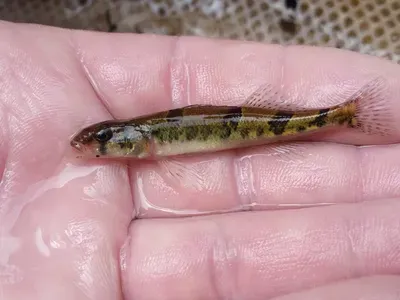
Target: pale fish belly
x,y
200,146
195,146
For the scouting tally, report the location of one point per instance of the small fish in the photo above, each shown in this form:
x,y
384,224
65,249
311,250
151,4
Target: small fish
x,y
207,128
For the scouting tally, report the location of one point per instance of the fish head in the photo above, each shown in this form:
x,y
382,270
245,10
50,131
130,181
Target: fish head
x,y
111,140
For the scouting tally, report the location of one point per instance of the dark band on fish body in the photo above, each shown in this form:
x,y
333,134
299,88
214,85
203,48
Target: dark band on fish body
x,y
231,121
278,123
344,119
205,132
233,116
129,145
244,132
172,135
175,115
321,119
301,128
234,111
191,132
259,131
226,130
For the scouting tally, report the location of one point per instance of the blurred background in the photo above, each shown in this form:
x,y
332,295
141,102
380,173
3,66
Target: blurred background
x,y
366,26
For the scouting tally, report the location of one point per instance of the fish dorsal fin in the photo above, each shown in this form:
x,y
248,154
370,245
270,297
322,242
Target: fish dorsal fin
x,y
266,96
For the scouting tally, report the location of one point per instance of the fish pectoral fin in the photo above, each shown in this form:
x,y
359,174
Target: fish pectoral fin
x,y
178,173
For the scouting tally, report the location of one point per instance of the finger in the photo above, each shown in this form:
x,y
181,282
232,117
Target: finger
x,y
367,288
273,177
260,255
139,79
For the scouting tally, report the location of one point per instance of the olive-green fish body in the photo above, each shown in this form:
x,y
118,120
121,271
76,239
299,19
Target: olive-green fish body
x,y
208,128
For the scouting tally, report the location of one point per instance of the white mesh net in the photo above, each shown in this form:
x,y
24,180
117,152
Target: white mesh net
x,y
366,26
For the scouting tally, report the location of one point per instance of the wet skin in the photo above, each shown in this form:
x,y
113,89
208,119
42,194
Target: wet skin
x,y
66,228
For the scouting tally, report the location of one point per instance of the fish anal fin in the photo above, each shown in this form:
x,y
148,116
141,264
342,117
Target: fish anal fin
x,y
290,151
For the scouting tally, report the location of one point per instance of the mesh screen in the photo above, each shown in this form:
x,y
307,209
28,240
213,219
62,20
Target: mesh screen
x,y
366,26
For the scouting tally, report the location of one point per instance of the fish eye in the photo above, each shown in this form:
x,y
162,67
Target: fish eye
x,y
103,135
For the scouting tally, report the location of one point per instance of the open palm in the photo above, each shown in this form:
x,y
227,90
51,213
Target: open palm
x,y
66,229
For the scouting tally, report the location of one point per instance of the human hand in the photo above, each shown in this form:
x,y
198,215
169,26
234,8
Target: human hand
x,y
63,223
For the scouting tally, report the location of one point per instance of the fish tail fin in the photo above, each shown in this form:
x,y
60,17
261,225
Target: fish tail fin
x,y
371,112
